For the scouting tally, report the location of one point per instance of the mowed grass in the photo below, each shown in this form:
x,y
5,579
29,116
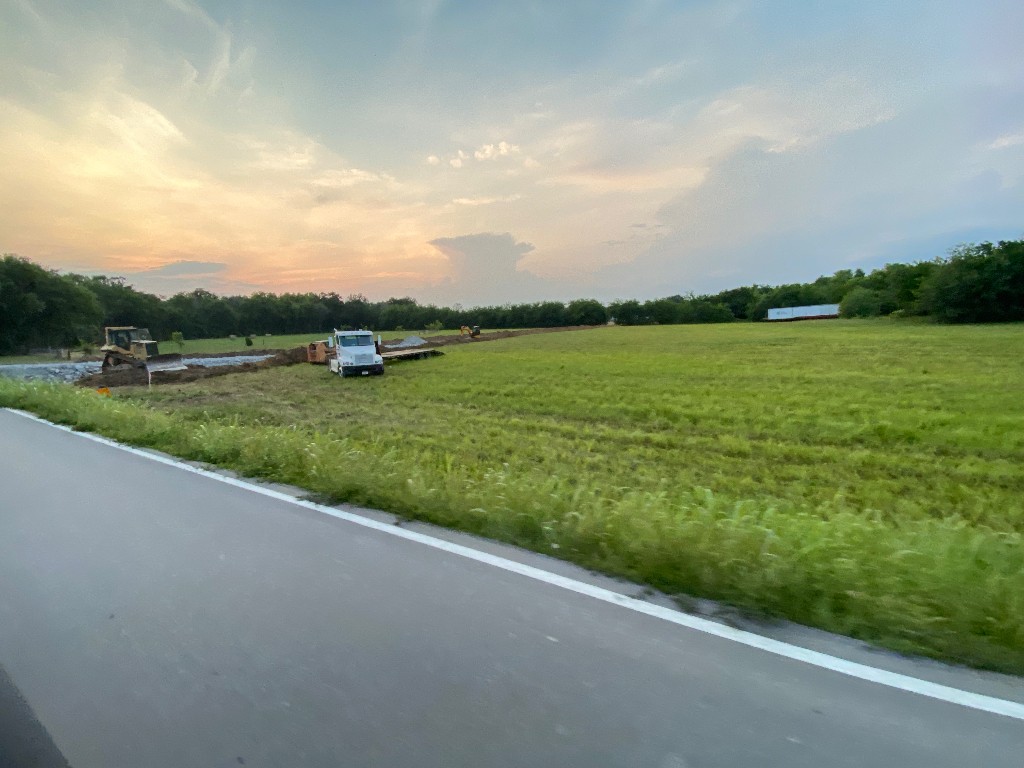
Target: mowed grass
x,y
226,344
864,477
287,341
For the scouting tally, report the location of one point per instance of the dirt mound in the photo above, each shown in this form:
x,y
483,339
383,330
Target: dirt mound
x,y
407,343
128,377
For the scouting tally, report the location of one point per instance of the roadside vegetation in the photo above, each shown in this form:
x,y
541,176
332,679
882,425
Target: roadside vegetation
x,y
863,476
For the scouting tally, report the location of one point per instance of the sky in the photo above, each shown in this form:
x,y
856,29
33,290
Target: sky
x,y
482,153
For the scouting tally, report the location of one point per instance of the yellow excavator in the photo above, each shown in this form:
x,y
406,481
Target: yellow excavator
x,y
127,346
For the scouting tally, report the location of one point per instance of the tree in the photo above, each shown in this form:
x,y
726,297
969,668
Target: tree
x,y
660,311
978,284
39,307
704,311
123,305
586,312
860,302
739,299
627,312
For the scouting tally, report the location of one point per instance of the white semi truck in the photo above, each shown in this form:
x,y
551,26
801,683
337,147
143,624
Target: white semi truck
x,y
356,353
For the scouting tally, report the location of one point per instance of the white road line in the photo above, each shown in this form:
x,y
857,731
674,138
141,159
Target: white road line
x,y
850,668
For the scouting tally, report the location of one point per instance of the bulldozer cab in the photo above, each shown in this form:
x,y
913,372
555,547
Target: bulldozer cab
x,y
123,337
127,343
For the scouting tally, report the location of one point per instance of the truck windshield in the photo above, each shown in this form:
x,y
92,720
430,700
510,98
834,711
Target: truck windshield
x,y
356,341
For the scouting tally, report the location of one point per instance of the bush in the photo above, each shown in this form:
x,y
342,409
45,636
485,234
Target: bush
x,y
860,302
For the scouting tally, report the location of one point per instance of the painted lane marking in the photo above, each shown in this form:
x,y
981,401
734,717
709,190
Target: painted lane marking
x,y
853,669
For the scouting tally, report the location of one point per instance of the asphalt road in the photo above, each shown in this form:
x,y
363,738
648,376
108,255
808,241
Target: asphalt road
x,y
152,617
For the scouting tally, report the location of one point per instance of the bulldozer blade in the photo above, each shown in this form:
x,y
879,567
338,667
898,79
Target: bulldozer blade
x,y
172,362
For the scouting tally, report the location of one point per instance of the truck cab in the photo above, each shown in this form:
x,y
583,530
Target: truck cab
x,y
356,354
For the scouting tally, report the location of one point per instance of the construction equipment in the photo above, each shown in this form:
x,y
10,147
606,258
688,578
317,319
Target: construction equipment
x,y
127,346
356,354
318,352
471,332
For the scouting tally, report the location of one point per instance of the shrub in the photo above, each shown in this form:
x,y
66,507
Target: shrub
x,y
860,302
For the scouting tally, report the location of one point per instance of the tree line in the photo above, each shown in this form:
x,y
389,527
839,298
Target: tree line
x,y
42,308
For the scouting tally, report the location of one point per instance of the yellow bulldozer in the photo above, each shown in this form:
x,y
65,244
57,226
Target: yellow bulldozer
x,y
127,346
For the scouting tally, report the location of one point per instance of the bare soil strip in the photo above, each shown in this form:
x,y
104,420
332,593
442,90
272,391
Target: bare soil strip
x,y
130,377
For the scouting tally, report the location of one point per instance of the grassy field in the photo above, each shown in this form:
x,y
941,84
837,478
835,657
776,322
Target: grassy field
x,y
32,359
196,346
866,477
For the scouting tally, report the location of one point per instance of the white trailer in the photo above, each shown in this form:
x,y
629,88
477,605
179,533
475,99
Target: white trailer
x,y
814,312
355,353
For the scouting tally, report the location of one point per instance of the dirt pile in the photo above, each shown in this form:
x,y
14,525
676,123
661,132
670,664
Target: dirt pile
x,y
128,377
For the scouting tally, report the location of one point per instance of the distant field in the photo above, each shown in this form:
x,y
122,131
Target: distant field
x,y
866,477
197,346
28,359
202,346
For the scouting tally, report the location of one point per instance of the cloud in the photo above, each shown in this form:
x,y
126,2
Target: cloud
x,y
26,8
486,268
228,73
194,12
184,268
457,160
472,201
884,192
1008,140
781,143
484,152
492,151
288,152
184,276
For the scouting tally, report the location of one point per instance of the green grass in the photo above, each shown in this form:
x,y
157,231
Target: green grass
x,y
27,359
203,346
199,346
864,477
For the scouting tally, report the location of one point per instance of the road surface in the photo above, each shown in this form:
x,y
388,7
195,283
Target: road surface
x,y
154,617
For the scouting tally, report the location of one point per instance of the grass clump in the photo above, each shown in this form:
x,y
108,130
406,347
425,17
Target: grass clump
x,y
859,476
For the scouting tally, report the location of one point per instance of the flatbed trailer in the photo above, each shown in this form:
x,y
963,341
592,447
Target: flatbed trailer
x,y
411,354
